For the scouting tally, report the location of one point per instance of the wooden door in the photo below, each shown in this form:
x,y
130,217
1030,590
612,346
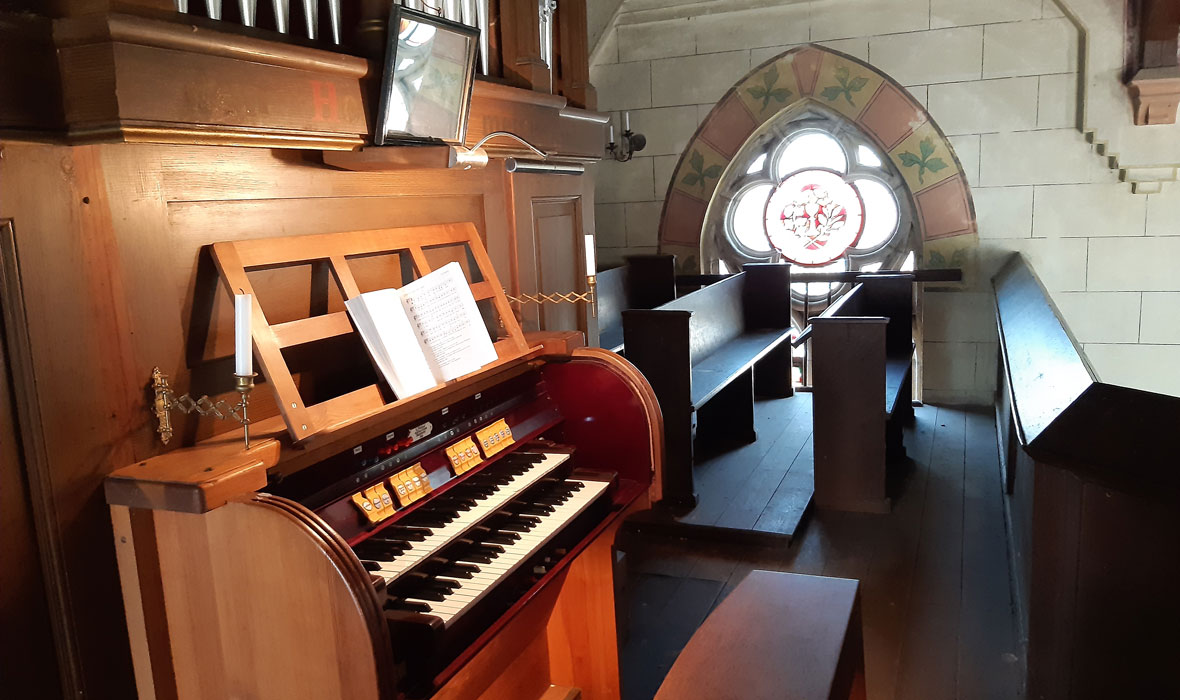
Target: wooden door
x,y
554,216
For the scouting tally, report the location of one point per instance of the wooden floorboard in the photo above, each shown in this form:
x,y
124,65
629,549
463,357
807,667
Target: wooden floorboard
x,y
719,478
936,603
886,589
987,634
757,487
929,657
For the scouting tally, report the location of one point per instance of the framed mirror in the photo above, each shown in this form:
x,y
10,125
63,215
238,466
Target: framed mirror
x,y
426,86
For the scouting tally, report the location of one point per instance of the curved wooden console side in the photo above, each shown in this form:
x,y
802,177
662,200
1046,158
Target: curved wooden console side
x,y
616,364
253,599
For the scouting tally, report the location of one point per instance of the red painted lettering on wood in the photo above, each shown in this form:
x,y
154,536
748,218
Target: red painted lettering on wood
x,y
323,99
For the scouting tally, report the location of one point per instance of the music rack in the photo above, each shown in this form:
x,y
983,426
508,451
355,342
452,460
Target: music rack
x,y
235,259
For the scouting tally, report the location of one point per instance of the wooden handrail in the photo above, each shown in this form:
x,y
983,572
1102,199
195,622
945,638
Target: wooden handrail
x,y
932,275
1064,414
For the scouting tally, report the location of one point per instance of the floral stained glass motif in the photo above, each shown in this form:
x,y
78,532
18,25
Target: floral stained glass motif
x,y
814,217
857,214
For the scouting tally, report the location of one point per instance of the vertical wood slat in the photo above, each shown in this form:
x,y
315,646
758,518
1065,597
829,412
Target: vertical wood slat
x,y
421,264
503,309
266,346
343,274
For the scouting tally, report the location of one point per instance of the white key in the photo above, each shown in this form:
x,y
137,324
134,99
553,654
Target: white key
x,y
515,555
419,551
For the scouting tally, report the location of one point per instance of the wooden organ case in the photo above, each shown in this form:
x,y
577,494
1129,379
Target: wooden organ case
x,y
133,139
453,544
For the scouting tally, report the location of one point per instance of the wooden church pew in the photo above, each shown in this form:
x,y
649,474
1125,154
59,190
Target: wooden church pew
x,y
699,353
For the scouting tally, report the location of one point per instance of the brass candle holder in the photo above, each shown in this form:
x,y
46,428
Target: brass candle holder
x,y
166,401
590,296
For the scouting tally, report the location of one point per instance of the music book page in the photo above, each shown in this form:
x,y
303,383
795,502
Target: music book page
x,y
424,334
446,320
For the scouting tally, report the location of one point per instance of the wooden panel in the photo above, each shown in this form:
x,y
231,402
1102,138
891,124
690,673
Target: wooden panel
x,y
26,641
849,380
557,231
147,80
584,619
572,72
222,587
115,282
553,214
520,48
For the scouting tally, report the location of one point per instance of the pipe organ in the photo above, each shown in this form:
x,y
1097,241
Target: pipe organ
x,y
137,134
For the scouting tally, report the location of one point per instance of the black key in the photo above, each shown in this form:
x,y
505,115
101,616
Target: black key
x,y
402,532
391,542
371,565
412,605
459,571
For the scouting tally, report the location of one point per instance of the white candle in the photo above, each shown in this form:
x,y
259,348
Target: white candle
x,y
591,267
243,352
611,139
626,122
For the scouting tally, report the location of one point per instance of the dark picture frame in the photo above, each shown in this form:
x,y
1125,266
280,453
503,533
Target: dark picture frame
x,y
427,82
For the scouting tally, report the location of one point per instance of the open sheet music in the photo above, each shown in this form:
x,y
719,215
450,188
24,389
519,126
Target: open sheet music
x,y
426,333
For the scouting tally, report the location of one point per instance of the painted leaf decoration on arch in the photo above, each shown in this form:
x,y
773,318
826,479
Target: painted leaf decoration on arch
x,y
858,83
713,171
757,92
697,161
781,94
935,164
909,160
770,77
691,179
831,92
927,148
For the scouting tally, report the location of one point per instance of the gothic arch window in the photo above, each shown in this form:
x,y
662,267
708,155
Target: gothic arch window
x,y
810,188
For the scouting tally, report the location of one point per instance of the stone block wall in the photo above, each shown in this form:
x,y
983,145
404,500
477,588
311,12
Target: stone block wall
x,y
1001,79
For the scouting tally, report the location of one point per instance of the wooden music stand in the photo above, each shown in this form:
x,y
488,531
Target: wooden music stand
x,y
235,258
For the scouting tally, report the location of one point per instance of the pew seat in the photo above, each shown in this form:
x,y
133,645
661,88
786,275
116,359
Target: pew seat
x,y
739,355
776,636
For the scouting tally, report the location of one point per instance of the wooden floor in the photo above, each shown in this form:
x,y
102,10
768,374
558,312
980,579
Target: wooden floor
x,y
759,491
937,604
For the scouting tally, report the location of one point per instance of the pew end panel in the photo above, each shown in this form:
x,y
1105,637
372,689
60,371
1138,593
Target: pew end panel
x,y
641,282
660,348
850,418
610,296
651,280
766,298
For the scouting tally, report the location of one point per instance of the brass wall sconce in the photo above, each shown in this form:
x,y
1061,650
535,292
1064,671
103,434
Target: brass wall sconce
x,y
166,401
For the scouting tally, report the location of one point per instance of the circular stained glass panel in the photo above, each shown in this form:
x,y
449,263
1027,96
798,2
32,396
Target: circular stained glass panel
x,y
814,216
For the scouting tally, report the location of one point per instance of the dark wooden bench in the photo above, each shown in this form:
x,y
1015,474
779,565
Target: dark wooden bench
x,y
862,352
1093,501
706,354
642,282
776,636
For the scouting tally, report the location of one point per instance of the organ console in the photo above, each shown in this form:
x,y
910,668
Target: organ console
x,y
134,136
456,544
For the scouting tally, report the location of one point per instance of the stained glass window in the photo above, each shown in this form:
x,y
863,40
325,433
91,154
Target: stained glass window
x,y
808,187
814,216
